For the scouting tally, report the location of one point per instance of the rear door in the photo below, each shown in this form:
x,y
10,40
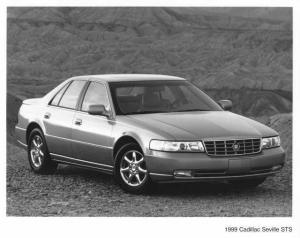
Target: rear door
x,y
92,140
58,118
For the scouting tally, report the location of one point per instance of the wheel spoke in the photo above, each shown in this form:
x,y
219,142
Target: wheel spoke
x,y
130,178
137,176
134,156
41,153
140,161
142,170
124,169
35,143
127,160
39,160
33,156
34,153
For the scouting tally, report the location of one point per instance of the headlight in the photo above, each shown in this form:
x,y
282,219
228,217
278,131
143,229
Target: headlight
x,y
177,146
270,142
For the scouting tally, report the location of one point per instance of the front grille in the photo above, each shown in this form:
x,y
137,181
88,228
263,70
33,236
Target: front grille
x,y
232,147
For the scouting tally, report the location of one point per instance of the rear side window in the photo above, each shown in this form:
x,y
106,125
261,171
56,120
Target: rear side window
x,y
70,97
57,97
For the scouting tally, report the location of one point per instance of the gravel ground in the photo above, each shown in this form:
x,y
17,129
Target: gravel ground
x,y
78,192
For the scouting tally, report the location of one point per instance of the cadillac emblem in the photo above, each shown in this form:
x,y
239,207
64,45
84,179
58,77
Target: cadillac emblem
x,y
235,147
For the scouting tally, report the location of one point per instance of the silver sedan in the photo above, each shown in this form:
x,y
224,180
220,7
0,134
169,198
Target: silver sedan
x,y
143,129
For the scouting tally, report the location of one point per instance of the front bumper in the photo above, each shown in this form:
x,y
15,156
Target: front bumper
x,y
162,165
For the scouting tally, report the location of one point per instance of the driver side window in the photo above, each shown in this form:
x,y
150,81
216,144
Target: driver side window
x,y
95,94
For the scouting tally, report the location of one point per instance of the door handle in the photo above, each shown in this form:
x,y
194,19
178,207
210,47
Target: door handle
x,y
47,115
78,121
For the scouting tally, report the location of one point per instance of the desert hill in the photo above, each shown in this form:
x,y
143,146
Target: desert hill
x,y
243,54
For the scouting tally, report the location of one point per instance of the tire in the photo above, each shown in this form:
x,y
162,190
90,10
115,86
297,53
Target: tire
x,y
130,170
38,155
247,183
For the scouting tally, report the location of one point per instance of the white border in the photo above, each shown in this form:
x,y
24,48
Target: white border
x,y
148,227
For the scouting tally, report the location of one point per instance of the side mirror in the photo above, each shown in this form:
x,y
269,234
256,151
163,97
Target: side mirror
x,y
225,104
98,109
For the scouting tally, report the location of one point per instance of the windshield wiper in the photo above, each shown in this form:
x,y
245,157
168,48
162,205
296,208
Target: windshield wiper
x,y
145,112
191,110
148,112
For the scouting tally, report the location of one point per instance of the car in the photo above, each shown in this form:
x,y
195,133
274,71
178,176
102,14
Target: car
x,y
145,129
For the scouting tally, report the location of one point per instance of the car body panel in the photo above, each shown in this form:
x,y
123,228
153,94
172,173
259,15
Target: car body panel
x,y
91,144
92,140
29,112
58,129
202,125
124,126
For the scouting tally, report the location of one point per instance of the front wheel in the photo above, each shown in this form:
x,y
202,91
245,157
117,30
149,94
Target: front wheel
x,y
130,169
247,183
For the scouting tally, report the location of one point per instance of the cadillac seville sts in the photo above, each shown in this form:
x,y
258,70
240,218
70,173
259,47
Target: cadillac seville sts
x,y
144,129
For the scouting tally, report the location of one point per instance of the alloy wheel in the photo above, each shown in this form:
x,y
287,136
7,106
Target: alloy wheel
x,y
133,168
36,151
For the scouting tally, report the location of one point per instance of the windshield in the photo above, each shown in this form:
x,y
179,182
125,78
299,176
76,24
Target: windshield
x,y
132,97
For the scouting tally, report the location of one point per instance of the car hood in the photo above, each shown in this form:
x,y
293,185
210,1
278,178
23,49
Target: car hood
x,y
201,125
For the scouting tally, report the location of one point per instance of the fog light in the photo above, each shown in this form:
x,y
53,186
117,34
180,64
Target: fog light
x,y
183,173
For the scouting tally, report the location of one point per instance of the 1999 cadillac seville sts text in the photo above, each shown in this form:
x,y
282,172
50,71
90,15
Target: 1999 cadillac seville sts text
x,y
143,129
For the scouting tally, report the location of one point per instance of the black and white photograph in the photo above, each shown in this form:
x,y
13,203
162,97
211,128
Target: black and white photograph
x,y
150,111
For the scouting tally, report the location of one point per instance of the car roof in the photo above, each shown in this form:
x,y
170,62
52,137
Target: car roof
x,y
126,77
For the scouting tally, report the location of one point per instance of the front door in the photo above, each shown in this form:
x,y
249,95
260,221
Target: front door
x,y
91,136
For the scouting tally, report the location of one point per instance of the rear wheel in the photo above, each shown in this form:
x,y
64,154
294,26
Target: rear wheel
x,y
247,183
130,169
38,155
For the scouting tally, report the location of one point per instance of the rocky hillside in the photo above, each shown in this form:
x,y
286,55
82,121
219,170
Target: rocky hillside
x,y
283,123
244,54
13,105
